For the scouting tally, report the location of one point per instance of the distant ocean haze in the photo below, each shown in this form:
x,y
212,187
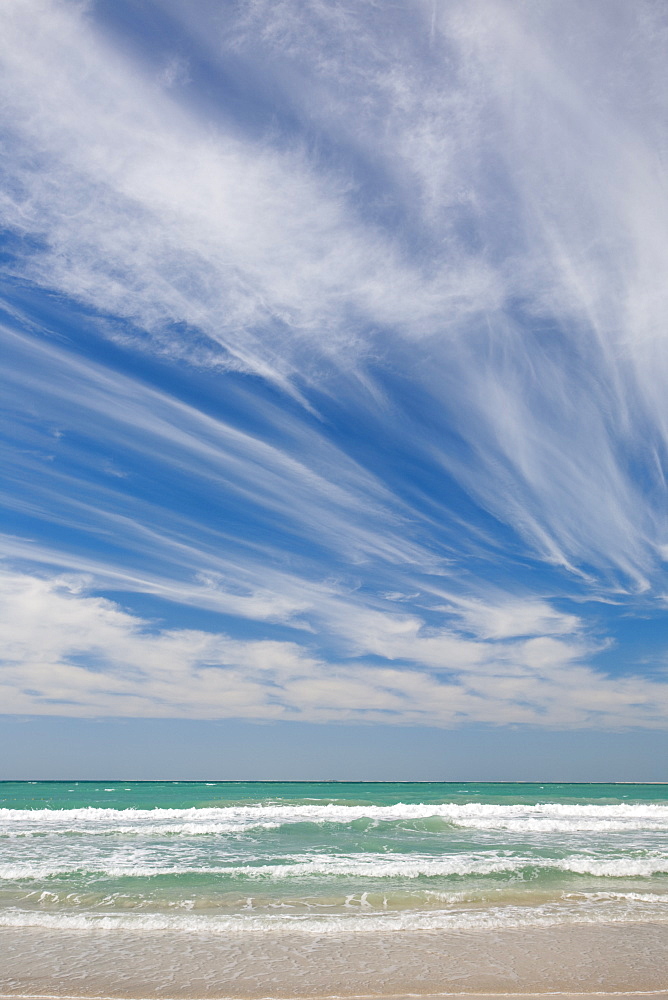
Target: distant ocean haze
x,y
240,858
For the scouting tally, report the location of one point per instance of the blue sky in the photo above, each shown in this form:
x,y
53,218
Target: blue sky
x,y
335,377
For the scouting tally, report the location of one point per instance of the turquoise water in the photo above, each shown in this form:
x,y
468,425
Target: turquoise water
x,y
241,857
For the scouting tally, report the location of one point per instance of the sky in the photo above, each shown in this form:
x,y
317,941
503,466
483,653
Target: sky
x,y
335,389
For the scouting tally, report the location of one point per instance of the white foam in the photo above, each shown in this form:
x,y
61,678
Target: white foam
x,y
629,867
541,818
596,909
368,865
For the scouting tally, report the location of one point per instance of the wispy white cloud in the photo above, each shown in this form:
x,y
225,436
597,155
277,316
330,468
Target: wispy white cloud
x,y
306,482
262,248
457,243
145,214
501,616
538,157
69,653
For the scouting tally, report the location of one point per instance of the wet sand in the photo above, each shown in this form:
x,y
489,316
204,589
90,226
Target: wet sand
x,y
574,960
409,996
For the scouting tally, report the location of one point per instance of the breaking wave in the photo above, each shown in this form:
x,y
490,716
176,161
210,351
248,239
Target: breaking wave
x,y
371,866
594,908
541,818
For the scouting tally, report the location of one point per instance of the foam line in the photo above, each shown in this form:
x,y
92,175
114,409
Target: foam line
x,y
543,818
595,910
367,866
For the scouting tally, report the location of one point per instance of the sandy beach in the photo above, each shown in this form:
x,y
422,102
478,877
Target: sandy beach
x,y
334,531
573,960
184,891
405,996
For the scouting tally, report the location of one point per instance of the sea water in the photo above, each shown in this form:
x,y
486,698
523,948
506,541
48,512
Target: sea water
x,y
238,858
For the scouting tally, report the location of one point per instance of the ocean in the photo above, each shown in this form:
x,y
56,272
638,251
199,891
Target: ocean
x,y
245,858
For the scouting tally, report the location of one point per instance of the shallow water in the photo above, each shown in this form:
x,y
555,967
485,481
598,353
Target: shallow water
x,y
186,889
247,857
591,959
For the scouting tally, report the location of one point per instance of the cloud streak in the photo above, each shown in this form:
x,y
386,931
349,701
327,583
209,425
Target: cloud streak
x,y
343,323
74,654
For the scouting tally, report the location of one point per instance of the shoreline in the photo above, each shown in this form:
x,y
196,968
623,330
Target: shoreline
x,y
369,996
570,962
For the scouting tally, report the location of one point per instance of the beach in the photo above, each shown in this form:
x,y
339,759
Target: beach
x,y
335,448
596,960
254,890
